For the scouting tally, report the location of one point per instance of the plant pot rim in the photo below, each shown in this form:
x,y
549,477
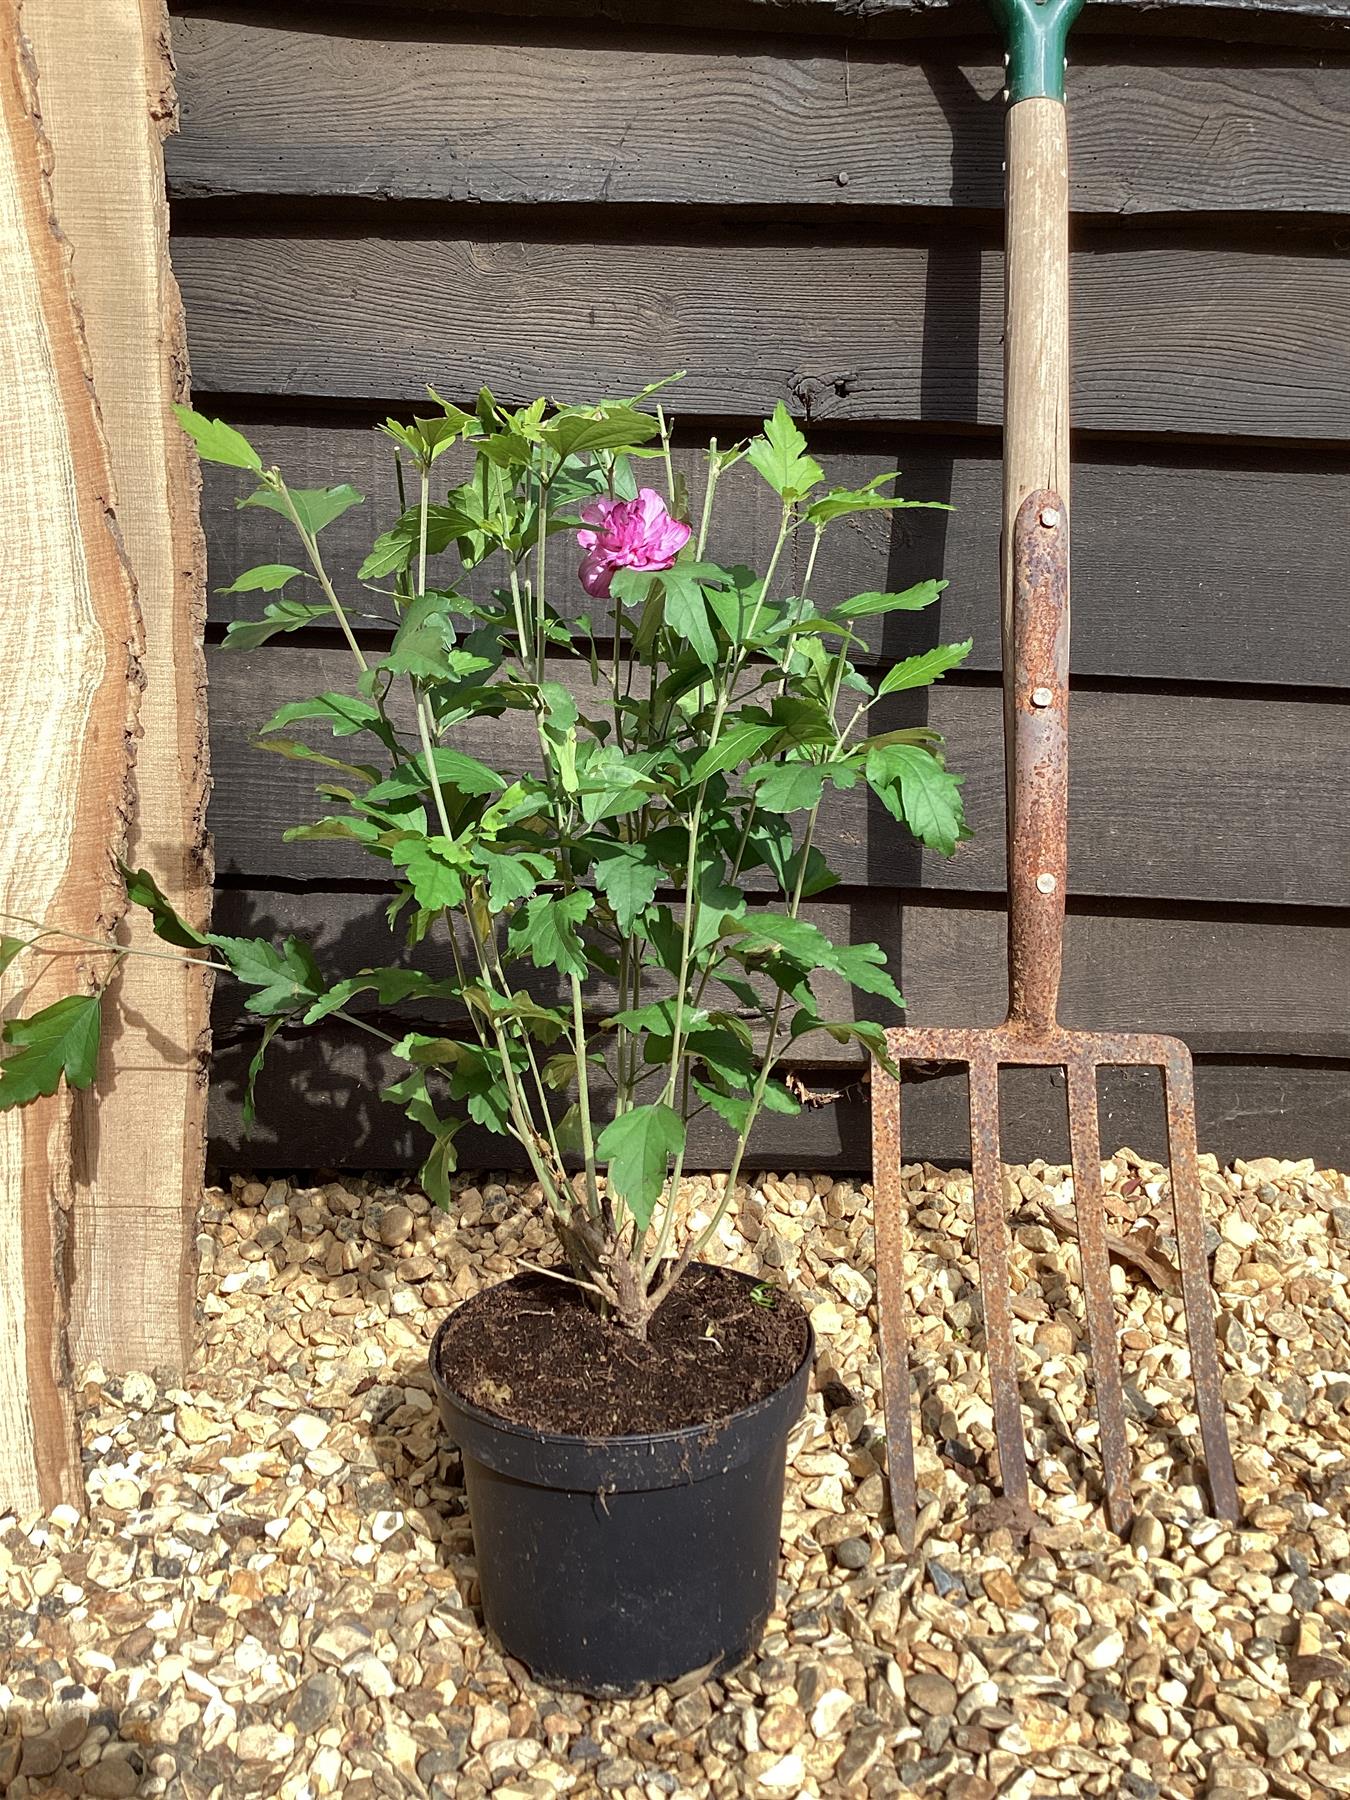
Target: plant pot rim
x,y
634,1459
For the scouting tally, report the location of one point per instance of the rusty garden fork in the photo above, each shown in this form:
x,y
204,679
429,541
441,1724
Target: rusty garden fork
x,y
1036,752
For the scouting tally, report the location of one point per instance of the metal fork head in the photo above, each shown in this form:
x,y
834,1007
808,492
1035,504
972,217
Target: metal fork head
x,y
984,1051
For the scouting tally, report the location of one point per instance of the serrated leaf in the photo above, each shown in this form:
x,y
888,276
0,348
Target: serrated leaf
x,y
218,442
687,614
265,579
411,1093
637,1147
779,456
285,979
546,930
394,549
60,1040
628,879
923,670
787,787
915,788
248,1110
143,890
389,986
511,878
435,869
867,606
344,714
864,966
314,507
734,1111
618,428
734,747
441,1164
282,615
454,770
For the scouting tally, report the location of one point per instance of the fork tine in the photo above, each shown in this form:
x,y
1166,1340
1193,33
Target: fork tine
x,y
888,1222
1090,1211
991,1249
1178,1085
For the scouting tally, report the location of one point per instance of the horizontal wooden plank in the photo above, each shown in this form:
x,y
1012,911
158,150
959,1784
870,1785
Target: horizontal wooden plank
x,y
318,1107
1172,336
1171,796
1214,571
1222,21
595,118
1189,976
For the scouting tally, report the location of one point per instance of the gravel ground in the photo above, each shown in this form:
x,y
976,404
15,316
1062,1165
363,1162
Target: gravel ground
x,y
274,1592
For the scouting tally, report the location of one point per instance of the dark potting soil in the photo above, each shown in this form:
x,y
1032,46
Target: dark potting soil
x,y
534,1352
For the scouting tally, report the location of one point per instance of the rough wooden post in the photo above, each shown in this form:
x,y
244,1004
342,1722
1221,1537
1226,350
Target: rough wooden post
x,y
105,88
69,636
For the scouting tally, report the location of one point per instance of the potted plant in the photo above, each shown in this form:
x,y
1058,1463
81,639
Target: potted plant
x,y
617,893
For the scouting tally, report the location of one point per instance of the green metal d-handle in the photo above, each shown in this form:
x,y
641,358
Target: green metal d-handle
x,y
1034,35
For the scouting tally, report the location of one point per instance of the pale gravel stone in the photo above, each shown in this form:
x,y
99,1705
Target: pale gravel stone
x,y
256,1582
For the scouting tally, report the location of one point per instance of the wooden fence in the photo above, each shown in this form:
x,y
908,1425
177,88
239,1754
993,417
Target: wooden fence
x,y
800,201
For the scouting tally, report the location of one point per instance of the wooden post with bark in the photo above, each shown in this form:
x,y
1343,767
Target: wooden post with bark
x,y
69,650
105,89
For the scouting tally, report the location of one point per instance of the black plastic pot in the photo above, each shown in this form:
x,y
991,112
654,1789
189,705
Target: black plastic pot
x,y
609,1564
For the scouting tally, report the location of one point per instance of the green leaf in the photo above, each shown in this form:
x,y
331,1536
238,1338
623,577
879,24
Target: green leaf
x,y
777,1099
218,442
628,878
295,750
616,428
637,1147
687,614
734,747
726,1106
454,770
390,986
281,615
248,1111
864,966
143,890
546,929
265,579
10,947
915,788
314,507
344,714
779,456
435,868
511,878
787,787
411,1093
60,1040
922,671
866,606
394,549
442,1163
286,979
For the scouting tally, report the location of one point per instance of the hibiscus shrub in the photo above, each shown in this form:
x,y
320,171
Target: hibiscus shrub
x,y
616,884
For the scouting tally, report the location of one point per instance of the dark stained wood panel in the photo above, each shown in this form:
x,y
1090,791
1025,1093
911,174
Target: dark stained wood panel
x,y
593,118
1225,21
1171,796
1172,335
318,1107
1278,985
1213,571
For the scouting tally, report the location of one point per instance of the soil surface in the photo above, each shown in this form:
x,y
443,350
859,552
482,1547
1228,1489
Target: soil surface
x,y
533,1351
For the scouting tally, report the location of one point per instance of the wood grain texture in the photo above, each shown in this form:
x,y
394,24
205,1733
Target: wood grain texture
x,y
1172,336
1262,21
1172,796
1276,985
318,1108
1216,570
106,93
69,640
416,109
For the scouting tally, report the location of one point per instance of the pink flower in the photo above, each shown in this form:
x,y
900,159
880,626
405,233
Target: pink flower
x,y
629,534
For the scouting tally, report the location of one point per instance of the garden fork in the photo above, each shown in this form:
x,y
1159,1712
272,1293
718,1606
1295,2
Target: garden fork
x,y
1035,705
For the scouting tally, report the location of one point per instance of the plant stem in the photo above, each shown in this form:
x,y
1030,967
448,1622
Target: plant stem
x,y
714,471
312,551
